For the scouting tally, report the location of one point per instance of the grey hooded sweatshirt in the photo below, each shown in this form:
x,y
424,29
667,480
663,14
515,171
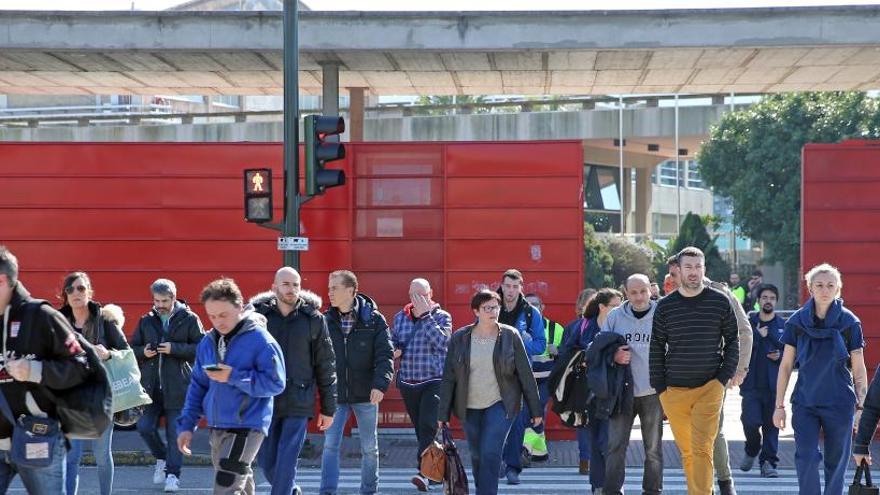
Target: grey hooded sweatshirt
x,y
637,332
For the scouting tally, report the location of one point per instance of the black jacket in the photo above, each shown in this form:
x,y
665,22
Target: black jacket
x,y
364,358
512,371
168,374
108,335
870,416
48,337
308,354
610,384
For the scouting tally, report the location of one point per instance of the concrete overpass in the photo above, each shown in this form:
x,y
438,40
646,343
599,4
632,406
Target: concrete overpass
x,y
404,53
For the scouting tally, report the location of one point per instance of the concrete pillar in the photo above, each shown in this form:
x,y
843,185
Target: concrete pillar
x,y
356,114
330,88
643,201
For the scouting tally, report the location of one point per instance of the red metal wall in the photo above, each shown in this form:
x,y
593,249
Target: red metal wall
x,y
457,214
840,224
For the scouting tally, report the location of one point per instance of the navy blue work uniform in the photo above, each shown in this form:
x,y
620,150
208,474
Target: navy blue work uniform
x,y
758,391
824,396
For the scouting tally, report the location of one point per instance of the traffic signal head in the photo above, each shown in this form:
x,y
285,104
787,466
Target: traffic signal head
x,y
258,195
320,147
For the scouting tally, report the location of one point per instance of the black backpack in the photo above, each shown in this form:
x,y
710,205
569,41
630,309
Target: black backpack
x,y
86,410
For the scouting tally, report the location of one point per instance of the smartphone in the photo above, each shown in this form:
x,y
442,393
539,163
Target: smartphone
x,y
211,367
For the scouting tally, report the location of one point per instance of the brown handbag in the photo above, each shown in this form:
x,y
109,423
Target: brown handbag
x,y
433,461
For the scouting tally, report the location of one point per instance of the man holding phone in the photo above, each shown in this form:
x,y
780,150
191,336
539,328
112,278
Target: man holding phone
x,y
758,390
164,343
420,334
634,320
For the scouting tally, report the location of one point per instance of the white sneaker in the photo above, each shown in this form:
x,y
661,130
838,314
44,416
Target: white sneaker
x,y
159,473
172,484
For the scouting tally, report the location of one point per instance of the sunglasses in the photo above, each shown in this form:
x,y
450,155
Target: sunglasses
x,y
78,288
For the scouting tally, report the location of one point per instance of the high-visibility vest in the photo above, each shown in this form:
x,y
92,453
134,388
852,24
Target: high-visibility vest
x,y
553,333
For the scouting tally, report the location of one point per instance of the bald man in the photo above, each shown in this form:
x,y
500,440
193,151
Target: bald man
x,y
294,318
420,333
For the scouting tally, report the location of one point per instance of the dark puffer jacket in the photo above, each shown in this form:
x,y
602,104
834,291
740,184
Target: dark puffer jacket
x,y
168,374
364,357
107,334
308,354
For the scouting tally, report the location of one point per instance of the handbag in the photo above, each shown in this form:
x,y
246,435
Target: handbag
x,y
125,381
857,488
34,438
432,464
455,480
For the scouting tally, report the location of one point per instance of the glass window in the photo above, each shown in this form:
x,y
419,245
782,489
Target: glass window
x,y
694,180
667,172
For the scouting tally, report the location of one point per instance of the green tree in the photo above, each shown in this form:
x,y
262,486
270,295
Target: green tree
x,y
694,231
753,157
629,258
597,260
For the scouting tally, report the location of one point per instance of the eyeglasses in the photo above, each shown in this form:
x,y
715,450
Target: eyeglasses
x,y
79,288
490,309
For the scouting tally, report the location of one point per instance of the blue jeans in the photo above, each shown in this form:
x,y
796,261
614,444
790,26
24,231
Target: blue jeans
x,y
367,416
486,430
584,447
514,445
148,427
598,429
279,453
836,422
45,480
102,449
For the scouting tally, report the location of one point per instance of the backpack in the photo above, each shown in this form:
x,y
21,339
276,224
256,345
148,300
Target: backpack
x,y
86,410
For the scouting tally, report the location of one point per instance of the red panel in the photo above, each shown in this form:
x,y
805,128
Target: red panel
x,y
397,192
553,287
853,257
524,255
402,223
398,159
512,159
514,223
393,288
841,225
842,195
841,164
505,192
397,255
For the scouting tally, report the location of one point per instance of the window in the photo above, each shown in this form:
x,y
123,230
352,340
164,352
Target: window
x,y
602,198
666,171
694,179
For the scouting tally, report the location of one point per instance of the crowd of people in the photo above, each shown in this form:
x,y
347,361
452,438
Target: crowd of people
x,y
271,363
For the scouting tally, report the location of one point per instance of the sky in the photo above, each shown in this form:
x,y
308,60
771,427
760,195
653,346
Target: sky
x,y
453,5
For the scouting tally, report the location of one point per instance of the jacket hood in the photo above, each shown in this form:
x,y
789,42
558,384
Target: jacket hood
x,y
627,308
20,295
364,306
520,302
179,305
836,317
265,301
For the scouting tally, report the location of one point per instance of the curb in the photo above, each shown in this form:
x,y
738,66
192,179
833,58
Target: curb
x,y
137,458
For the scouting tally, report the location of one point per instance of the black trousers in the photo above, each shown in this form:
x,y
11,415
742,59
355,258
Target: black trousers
x,y
422,402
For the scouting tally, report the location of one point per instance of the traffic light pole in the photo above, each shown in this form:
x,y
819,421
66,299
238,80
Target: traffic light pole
x,y
292,201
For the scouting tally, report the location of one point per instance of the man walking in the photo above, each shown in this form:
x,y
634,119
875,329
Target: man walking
x,y
420,334
634,320
721,452
534,440
41,351
518,313
164,344
239,369
364,368
693,356
759,388
294,319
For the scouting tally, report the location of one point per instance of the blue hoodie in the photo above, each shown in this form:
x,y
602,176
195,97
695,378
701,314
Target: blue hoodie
x,y
822,354
245,401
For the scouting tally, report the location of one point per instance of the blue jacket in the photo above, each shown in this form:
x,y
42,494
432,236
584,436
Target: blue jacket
x,y
245,401
822,352
763,371
532,332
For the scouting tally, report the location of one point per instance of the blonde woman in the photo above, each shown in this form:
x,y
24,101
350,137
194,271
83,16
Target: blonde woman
x,y
823,338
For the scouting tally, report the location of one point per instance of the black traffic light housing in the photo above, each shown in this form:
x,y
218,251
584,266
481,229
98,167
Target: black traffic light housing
x,y
258,195
320,150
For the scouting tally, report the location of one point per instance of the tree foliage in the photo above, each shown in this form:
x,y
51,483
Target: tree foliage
x,y
598,261
629,258
694,231
753,157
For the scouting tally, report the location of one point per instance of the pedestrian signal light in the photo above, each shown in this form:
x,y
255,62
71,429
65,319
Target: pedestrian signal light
x,y
320,148
258,195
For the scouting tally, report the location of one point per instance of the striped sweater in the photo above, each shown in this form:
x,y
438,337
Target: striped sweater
x,y
693,340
